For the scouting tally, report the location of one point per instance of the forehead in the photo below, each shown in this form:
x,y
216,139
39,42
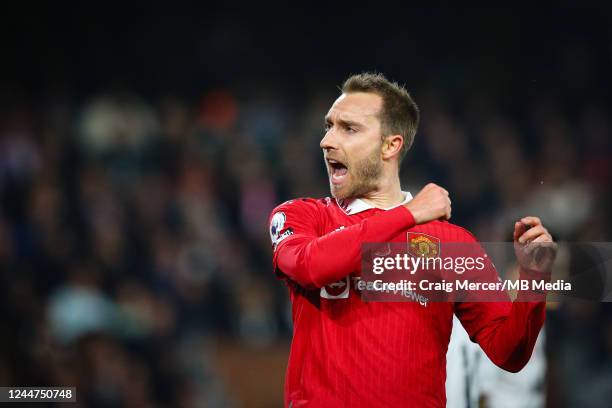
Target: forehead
x,y
356,106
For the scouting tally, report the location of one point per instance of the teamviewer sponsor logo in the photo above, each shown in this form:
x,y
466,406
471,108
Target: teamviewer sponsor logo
x,y
336,290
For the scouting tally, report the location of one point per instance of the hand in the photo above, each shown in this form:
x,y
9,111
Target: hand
x,y
533,245
431,203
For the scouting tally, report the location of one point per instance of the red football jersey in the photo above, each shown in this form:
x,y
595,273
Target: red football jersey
x,y
347,352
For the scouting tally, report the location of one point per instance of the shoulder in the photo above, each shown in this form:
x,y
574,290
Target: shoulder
x,y
305,205
297,216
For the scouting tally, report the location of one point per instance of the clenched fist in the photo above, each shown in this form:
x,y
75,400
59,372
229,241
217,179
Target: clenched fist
x,y
533,244
431,203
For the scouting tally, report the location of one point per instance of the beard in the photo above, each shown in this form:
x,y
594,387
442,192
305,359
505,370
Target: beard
x,y
363,177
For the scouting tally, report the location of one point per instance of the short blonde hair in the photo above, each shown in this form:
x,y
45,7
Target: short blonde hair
x,y
399,114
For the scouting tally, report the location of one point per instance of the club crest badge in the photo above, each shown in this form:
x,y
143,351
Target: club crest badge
x,y
423,245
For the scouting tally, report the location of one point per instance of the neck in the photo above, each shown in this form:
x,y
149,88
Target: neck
x,y
387,194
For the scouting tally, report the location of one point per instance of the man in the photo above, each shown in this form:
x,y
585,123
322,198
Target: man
x,y
473,381
350,353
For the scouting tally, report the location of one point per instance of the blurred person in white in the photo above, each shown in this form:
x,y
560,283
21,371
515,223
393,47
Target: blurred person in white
x,y
461,366
473,381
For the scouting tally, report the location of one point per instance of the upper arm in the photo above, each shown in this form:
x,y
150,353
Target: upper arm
x,y
292,221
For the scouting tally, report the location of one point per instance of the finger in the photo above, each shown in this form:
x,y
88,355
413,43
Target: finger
x,y
445,213
531,221
519,229
542,241
544,238
532,234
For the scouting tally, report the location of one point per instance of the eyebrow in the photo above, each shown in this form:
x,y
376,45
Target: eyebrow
x,y
344,122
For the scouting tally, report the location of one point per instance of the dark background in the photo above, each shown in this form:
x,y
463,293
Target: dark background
x,y
143,147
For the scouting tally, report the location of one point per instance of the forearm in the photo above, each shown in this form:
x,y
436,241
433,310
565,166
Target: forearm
x,y
316,262
509,342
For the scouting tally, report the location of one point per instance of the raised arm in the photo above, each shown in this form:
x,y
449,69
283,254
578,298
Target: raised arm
x,y
312,259
507,331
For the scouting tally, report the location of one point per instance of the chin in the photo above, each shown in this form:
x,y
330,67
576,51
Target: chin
x,y
339,193
335,193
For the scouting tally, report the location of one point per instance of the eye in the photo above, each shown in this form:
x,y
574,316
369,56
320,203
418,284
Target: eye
x,y
351,129
327,126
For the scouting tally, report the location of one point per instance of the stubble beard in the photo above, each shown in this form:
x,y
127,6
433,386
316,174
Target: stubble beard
x,y
364,175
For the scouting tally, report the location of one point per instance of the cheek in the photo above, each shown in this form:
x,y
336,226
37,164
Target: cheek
x,y
361,146
366,150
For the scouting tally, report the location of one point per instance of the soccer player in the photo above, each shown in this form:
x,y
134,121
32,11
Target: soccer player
x,y
473,381
347,352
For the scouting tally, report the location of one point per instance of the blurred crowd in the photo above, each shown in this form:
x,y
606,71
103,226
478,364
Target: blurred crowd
x,y
134,237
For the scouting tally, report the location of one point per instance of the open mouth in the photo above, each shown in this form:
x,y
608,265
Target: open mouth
x,y
337,170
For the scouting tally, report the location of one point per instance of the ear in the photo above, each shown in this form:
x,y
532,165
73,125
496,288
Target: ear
x,y
391,146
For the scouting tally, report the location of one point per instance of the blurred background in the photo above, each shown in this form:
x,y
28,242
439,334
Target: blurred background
x,y
142,149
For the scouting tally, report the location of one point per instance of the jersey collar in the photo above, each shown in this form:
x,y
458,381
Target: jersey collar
x,y
355,205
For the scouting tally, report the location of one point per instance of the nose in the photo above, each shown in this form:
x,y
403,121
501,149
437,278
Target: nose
x,y
329,140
